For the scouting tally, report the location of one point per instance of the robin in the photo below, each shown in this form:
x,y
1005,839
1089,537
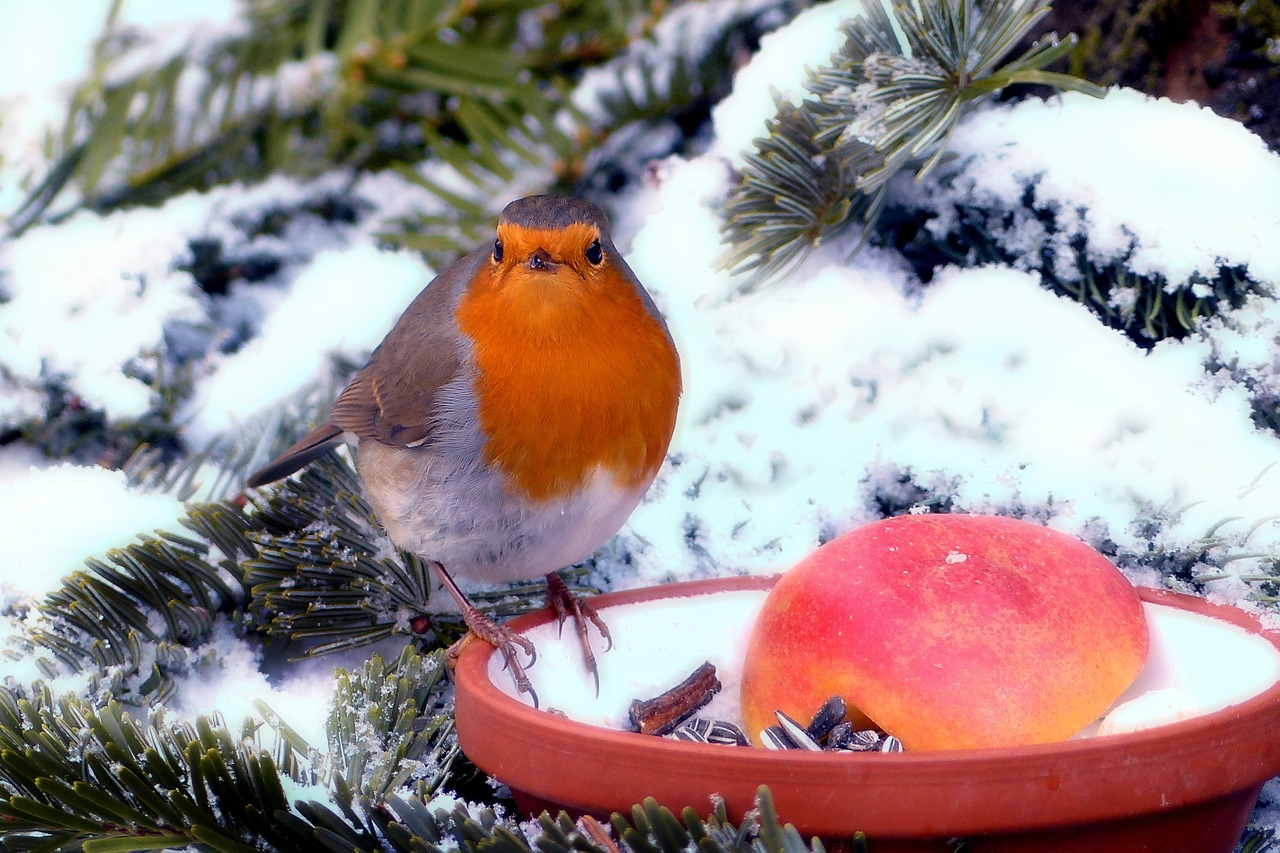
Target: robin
x,y
515,415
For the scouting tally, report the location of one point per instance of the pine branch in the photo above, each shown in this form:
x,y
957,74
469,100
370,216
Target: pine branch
x,y
1146,308
654,827
325,574
132,615
217,471
689,57
79,778
319,84
73,777
1258,841
306,563
812,196
888,99
390,727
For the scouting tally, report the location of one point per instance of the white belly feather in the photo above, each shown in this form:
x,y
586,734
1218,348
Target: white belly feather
x,y
452,508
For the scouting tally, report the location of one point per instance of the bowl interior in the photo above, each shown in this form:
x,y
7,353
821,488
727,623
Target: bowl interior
x,y
1198,663
656,644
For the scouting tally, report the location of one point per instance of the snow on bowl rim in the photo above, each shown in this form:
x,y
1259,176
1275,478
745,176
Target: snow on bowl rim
x,y
1175,770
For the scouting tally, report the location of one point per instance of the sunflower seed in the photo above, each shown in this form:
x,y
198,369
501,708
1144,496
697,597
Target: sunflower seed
x,y
840,736
700,726
828,717
864,741
775,738
890,744
796,733
726,733
690,732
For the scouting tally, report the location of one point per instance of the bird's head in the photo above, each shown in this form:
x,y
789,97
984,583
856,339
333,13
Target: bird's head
x,y
553,255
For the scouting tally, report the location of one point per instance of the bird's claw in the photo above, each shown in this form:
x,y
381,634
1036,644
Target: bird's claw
x,y
511,662
566,604
508,643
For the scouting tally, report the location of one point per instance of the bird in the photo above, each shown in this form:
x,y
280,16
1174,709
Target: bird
x,y
514,416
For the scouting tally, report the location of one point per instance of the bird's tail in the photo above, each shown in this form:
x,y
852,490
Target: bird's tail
x,y
311,446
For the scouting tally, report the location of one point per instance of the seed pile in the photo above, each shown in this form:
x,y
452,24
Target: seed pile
x,y
827,732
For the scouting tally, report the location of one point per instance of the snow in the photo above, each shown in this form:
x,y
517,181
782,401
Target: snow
x,y
86,304
47,48
229,682
338,304
778,70
157,31
656,646
97,301
1166,188
1184,675
42,57
687,31
56,517
58,36
802,400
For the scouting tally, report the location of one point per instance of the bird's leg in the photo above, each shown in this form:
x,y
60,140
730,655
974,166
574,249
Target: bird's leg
x,y
565,603
503,639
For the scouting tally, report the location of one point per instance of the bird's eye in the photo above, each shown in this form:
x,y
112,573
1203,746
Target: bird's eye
x,y
594,253
497,251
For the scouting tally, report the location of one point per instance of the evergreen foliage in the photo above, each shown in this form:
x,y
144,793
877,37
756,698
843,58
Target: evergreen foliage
x,y
87,774
322,571
422,93
131,617
78,778
323,574
481,90
314,84
304,562
883,106
404,707
886,101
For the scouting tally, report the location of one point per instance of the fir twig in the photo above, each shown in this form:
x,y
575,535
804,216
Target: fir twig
x,y
888,99
76,778
323,571
308,563
132,615
311,85
1147,308
390,729
325,574
689,57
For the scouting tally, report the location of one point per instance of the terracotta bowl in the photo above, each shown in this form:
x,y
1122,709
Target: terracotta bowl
x,y
1185,786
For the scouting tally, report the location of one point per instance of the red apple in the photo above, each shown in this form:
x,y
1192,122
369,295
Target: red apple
x,y
948,631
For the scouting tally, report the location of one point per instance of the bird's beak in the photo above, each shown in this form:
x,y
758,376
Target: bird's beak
x,y
540,260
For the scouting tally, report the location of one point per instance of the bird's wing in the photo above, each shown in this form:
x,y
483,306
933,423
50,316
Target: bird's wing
x,y
394,399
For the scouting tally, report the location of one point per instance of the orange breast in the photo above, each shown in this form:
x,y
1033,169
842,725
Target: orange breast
x,y
573,376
